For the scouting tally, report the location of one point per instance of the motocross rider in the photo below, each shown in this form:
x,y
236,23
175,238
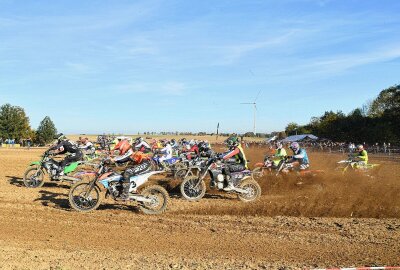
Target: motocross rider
x,y
125,151
299,156
142,165
193,151
175,147
235,160
166,152
141,161
361,156
66,146
142,146
205,149
280,154
87,146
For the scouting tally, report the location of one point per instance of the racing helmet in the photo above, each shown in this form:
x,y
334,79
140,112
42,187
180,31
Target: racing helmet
x,y
138,140
232,141
360,147
60,137
165,142
278,145
295,146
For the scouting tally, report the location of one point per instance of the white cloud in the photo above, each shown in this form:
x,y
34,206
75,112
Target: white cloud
x,y
340,63
169,88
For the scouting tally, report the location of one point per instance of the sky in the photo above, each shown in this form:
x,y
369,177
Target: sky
x,y
133,66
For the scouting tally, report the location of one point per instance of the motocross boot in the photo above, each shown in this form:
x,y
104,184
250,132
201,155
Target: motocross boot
x,y
230,186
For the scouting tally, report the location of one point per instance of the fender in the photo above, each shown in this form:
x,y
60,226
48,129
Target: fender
x,y
71,167
258,165
35,163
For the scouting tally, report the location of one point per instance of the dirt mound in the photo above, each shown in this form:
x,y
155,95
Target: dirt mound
x,y
329,195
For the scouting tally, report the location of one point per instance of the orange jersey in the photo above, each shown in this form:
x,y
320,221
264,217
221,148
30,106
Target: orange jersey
x,y
123,146
138,157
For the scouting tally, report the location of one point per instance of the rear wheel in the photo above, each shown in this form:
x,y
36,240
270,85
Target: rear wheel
x,y
81,199
159,200
253,191
192,190
34,177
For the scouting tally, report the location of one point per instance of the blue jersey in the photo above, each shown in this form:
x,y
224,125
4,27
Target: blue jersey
x,y
302,157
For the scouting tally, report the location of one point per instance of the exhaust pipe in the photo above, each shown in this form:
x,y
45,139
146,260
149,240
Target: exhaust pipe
x,y
139,198
240,190
69,178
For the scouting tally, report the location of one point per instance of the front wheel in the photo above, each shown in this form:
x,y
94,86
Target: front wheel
x,y
83,200
192,190
159,200
253,191
34,178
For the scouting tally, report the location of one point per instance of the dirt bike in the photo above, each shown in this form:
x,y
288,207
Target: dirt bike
x,y
85,196
34,175
192,167
169,165
193,188
353,165
92,156
269,168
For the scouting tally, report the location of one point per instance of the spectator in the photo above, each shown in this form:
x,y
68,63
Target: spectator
x,y
28,143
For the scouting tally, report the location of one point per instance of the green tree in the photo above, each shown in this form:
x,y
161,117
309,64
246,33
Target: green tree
x,y
388,99
46,131
249,134
375,122
292,128
14,124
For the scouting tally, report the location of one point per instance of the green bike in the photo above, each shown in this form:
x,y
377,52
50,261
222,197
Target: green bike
x,y
34,175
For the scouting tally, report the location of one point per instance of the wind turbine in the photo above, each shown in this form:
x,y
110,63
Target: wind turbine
x,y
254,103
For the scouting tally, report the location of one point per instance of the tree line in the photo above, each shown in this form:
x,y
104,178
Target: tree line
x,y
375,122
14,125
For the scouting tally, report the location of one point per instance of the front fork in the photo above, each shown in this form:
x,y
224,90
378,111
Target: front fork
x,y
90,188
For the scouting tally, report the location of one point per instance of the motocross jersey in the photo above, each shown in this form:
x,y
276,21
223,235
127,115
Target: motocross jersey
x,y
279,155
363,156
87,146
193,149
67,146
237,153
122,158
301,156
139,157
143,146
167,151
123,146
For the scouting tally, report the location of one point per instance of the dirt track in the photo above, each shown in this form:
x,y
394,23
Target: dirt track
x,y
328,222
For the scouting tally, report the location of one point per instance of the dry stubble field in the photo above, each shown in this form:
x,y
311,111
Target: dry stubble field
x,y
329,222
